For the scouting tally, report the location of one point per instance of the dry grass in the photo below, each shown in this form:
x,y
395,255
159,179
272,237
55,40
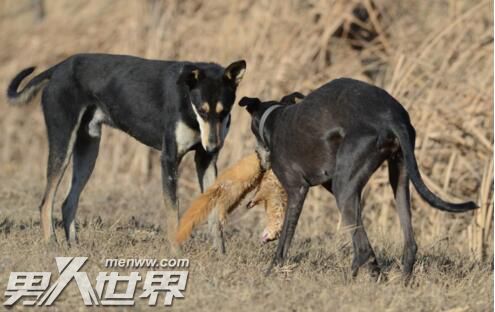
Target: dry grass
x,y
435,57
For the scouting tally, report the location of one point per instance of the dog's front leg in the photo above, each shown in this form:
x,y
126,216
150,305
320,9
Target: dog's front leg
x,y
296,194
169,164
206,167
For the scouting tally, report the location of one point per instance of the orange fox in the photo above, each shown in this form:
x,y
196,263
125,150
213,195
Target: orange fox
x,y
272,196
228,191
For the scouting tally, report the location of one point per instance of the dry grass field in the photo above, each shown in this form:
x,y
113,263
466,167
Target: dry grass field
x,y
435,57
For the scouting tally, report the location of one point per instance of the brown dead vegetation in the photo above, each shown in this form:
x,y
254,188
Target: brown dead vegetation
x,y
435,57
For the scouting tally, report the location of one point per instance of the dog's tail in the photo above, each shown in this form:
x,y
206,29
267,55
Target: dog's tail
x,y
403,134
225,194
32,87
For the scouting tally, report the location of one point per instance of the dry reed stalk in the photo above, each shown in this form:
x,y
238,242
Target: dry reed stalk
x,y
437,65
483,217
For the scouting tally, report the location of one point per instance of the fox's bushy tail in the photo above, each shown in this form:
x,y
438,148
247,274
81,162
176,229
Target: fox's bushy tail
x,y
226,193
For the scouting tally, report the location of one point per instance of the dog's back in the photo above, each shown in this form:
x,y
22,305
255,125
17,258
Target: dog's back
x,y
346,103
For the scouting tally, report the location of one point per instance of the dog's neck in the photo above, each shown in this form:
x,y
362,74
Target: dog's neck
x,y
264,135
263,147
264,157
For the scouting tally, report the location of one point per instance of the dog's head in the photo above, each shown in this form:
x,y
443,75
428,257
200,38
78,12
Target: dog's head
x,y
212,96
257,108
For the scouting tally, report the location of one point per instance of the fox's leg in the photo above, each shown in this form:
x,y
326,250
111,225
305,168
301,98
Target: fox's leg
x,y
271,195
275,206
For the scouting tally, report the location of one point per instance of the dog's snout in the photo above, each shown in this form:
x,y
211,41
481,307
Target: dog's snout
x,y
215,139
212,148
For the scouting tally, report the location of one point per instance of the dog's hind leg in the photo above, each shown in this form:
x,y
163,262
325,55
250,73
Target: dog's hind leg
x,y
62,122
83,161
399,180
357,159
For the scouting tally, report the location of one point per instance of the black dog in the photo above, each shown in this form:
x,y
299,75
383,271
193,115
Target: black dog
x,y
337,137
171,106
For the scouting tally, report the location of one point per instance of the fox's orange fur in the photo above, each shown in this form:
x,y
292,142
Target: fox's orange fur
x,y
271,195
226,193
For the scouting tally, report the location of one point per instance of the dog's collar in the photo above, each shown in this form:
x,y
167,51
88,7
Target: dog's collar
x,y
263,120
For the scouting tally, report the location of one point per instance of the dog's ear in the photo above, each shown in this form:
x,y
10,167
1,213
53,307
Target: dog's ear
x,y
251,104
235,71
292,98
190,75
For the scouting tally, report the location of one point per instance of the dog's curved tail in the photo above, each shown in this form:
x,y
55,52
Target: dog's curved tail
x,y
31,89
404,134
225,194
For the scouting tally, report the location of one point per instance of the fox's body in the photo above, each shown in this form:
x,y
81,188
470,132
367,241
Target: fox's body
x,y
271,195
220,198
223,196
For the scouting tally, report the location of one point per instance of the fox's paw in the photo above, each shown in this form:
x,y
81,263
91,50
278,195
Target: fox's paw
x,y
268,236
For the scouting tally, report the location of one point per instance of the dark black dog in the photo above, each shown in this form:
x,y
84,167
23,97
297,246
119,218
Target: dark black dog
x,y
171,106
337,137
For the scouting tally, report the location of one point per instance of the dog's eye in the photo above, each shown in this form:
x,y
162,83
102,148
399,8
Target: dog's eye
x,y
204,109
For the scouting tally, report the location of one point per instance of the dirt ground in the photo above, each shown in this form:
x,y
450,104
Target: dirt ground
x,y
120,222
435,57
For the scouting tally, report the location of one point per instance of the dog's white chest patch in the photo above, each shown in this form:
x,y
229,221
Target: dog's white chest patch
x,y
185,137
